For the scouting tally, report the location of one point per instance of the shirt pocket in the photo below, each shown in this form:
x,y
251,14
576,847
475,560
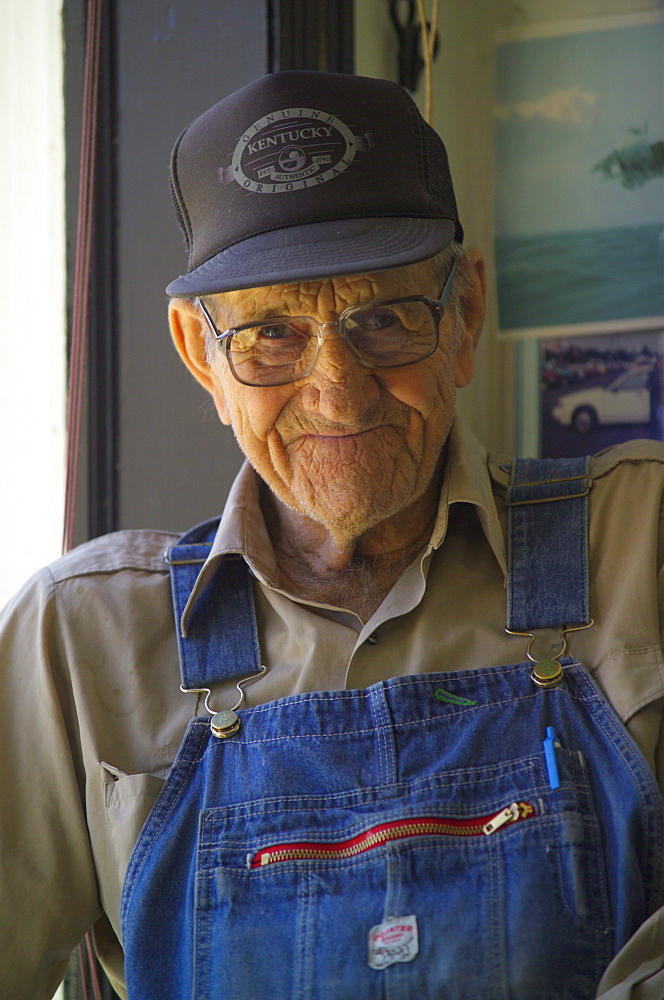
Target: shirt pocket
x,y
128,799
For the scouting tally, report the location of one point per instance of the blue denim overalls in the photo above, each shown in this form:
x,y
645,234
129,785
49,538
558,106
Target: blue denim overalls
x,y
490,833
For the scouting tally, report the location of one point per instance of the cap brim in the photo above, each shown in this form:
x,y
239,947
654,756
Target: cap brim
x,y
318,250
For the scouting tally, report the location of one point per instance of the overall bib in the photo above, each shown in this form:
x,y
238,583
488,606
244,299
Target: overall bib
x,y
491,833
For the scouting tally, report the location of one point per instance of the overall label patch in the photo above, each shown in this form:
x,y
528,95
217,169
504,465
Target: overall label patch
x,y
291,149
395,940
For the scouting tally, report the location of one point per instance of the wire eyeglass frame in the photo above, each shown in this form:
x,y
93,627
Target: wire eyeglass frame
x,y
436,307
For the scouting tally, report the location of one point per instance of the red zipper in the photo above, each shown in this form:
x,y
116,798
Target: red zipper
x,y
376,836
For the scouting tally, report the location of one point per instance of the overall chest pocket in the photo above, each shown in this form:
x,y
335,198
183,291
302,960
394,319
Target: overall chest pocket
x,y
502,878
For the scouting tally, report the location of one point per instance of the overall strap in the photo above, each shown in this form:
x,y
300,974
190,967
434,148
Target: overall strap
x,y
221,641
548,543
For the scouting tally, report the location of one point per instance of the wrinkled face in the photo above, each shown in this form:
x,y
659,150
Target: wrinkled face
x,y
348,446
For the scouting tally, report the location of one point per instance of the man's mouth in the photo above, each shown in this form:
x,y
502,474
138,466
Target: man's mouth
x,y
332,435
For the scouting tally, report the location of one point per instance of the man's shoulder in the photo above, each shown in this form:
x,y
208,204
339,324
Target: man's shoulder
x,y
136,549
624,458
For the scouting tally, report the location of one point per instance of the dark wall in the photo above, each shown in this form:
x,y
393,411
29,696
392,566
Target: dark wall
x,y
174,59
154,453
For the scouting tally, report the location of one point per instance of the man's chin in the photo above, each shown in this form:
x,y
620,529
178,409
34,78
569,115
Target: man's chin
x,y
351,516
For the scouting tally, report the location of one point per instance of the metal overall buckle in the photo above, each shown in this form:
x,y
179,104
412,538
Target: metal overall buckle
x,y
548,672
226,723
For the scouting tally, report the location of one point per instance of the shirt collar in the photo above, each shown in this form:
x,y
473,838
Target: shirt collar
x,y
242,529
468,479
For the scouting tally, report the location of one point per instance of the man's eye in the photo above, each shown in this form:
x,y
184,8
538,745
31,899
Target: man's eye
x,y
381,319
276,331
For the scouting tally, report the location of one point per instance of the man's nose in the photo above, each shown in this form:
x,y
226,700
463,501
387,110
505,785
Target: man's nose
x,y
336,360
339,387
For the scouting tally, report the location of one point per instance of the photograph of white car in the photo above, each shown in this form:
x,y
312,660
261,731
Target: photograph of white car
x,y
626,400
600,390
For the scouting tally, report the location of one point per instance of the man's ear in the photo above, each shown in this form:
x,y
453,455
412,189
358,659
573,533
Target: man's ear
x,y
188,330
473,305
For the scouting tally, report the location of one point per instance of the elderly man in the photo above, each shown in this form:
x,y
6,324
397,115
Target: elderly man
x,y
402,737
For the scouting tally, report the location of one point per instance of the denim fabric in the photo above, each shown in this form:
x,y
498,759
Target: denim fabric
x,y
221,641
548,532
533,911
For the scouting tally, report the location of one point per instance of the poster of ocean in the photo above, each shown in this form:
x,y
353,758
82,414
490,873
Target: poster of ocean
x,y
579,179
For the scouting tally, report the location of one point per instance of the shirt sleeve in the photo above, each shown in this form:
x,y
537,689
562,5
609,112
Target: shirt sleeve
x,y
48,891
637,971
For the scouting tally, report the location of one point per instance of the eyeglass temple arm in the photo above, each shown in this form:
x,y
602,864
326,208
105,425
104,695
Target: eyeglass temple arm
x,y
447,287
210,322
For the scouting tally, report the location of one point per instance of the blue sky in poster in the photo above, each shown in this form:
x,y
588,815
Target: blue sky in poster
x,y
563,103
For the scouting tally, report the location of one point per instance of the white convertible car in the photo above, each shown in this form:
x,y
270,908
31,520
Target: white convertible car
x,y
626,400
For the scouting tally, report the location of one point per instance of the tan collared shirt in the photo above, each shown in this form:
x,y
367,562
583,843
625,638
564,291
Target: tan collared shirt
x,y
92,714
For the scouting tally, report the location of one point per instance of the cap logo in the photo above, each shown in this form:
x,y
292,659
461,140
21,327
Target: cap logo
x,y
292,149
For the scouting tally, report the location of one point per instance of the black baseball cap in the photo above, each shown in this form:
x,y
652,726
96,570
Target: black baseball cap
x,y
309,175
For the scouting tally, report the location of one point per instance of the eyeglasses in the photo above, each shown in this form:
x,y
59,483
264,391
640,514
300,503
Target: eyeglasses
x,y
283,349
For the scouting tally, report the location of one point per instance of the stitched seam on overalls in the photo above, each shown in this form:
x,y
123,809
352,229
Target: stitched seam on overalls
x,y
412,680
443,717
295,803
134,870
650,797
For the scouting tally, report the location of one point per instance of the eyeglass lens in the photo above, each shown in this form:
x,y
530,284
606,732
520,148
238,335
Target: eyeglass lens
x,y
388,335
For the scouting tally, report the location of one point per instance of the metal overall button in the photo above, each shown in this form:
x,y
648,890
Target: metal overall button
x,y
225,724
547,673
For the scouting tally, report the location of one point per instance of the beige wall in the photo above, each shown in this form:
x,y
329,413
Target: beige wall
x,y
462,114
462,103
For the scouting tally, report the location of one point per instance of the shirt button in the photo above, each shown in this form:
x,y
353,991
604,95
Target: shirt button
x,y
373,638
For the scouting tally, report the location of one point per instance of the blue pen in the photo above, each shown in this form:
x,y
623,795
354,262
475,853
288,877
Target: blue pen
x,y
550,744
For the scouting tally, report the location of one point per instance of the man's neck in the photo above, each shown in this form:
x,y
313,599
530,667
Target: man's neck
x,y
353,573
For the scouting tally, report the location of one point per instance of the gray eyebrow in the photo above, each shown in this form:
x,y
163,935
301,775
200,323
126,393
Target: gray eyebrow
x,y
259,318
271,314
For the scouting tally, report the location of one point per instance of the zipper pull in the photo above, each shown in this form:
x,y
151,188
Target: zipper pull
x,y
508,815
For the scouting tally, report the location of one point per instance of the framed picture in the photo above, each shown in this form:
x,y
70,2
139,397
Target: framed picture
x,y
579,220
579,165
598,391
